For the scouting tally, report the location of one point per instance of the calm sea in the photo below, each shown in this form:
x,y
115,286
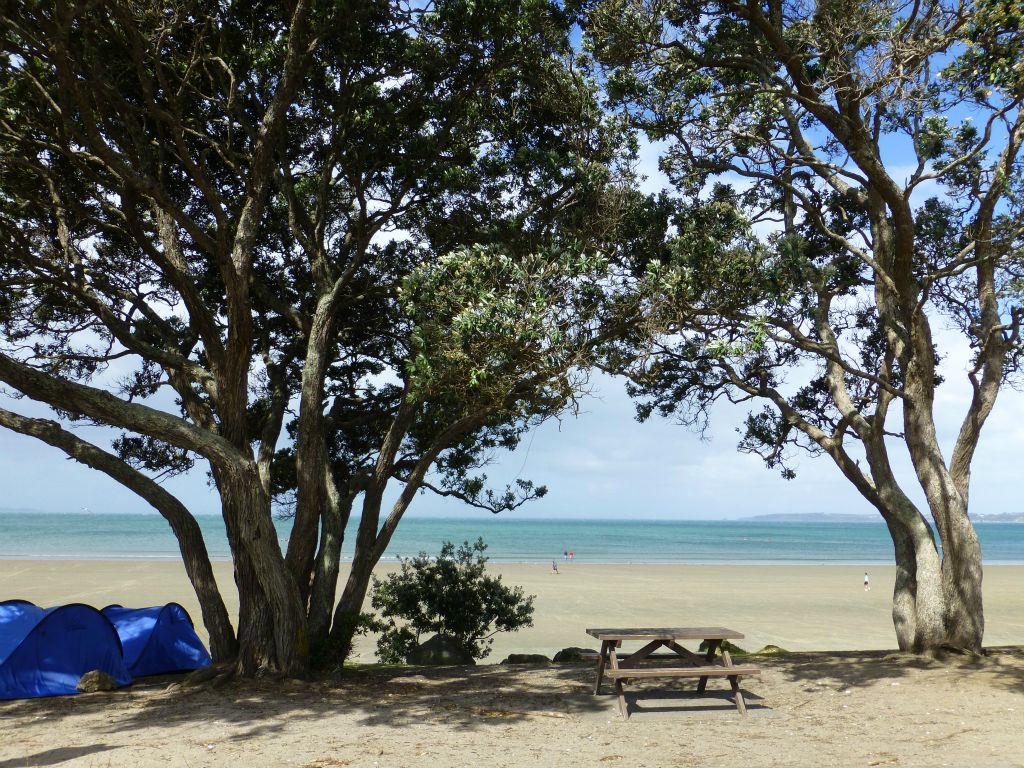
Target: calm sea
x,y
101,536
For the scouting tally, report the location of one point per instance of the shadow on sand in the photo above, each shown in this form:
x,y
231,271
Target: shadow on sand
x,y
1001,667
55,756
480,698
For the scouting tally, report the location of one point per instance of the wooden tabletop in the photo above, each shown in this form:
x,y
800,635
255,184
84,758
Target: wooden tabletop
x,y
667,633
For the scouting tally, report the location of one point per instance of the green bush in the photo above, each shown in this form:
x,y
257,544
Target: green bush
x,y
734,650
449,595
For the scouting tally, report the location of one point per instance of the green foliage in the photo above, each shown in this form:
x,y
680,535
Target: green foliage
x,y
771,650
734,650
483,318
771,256
449,595
229,198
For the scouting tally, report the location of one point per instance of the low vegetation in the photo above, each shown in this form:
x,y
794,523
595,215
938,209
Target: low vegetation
x,y
450,595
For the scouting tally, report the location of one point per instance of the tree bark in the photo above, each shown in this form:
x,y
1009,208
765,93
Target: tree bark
x,y
962,583
325,575
311,449
346,614
272,620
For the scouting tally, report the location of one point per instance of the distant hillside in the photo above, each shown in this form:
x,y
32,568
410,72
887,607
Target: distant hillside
x,y
1005,517
815,517
830,517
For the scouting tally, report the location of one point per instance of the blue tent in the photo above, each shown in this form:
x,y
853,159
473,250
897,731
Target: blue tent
x,y
157,640
45,651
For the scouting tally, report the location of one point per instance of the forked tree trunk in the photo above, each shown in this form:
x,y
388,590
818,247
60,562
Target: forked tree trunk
x,y
936,601
272,620
350,606
325,575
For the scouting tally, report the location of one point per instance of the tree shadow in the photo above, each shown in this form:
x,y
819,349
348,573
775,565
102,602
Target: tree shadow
x,y
55,756
465,697
1001,667
479,698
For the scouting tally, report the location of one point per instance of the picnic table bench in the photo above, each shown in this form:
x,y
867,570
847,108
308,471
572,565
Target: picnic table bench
x,y
703,666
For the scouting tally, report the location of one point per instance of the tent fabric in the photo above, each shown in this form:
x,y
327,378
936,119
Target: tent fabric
x,y
158,640
44,652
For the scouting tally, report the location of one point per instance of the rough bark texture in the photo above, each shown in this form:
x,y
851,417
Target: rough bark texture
x,y
272,619
328,561
311,450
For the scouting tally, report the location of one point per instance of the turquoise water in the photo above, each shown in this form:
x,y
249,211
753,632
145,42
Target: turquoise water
x,y
100,536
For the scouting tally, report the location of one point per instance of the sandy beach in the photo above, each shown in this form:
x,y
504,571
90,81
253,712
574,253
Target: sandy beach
x,y
800,608
827,706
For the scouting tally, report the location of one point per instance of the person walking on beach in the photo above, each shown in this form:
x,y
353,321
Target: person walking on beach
x,y
570,555
565,554
554,567
867,582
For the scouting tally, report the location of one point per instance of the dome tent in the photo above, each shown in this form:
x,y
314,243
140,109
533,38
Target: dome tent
x,y
157,640
45,651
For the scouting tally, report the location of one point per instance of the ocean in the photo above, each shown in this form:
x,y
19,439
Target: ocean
x,y
108,536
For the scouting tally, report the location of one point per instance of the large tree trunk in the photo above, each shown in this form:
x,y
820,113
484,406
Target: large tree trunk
x,y
936,602
915,543
904,594
962,583
960,600
272,620
256,648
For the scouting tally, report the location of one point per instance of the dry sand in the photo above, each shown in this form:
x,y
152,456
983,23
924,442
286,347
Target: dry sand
x,y
832,708
800,608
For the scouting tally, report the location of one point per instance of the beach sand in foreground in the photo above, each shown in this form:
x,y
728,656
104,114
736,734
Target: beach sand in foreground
x,y
800,608
805,711
832,708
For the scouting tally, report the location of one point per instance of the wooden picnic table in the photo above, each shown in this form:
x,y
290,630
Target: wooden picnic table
x,y
710,664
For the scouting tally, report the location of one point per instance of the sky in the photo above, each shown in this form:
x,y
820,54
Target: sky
x,y
601,464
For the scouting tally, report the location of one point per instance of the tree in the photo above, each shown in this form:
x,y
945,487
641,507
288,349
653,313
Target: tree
x,y
450,595
498,344
206,215
801,267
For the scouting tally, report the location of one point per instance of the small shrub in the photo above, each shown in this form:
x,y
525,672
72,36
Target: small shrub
x,y
734,650
449,595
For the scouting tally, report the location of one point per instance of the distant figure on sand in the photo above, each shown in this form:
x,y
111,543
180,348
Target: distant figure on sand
x,y
565,554
554,567
867,582
570,555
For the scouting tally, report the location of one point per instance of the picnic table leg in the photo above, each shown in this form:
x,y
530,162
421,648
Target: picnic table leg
x,y
601,661
623,709
708,658
613,660
734,681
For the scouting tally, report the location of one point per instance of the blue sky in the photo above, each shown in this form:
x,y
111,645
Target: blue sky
x,y
602,464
